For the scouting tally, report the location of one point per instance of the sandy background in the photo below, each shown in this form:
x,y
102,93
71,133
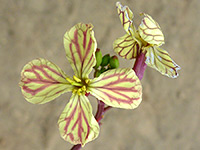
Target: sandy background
x,y
167,119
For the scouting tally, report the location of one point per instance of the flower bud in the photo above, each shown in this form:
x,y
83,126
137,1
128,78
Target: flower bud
x,y
105,60
103,70
97,73
98,56
114,62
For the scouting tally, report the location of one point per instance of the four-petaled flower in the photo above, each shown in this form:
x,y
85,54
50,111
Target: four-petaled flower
x,y
146,39
43,81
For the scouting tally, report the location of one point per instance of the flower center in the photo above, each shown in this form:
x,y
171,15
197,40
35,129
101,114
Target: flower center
x,y
80,85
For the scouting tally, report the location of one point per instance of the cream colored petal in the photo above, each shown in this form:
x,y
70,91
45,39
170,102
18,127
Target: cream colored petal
x,y
126,18
117,88
160,60
80,46
126,47
150,31
43,81
77,124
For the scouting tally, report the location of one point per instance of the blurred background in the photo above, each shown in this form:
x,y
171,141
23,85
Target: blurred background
x,y
167,119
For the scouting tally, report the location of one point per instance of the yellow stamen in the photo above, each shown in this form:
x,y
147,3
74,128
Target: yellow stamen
x,y
83,88
69,80
74,91
72,82
79,91
87,81
76,79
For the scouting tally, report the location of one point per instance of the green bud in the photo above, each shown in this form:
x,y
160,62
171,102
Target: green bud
x,y
98,56
97,73
105,60
103,70
114,62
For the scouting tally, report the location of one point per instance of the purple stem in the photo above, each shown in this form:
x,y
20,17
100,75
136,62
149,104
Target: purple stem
x,y
100,111
139,68
76,147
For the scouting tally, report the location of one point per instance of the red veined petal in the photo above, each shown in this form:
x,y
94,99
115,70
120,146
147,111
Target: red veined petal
x,y
80,46
117,88
160,60
42,81
150,31
126,47
77,124
126,18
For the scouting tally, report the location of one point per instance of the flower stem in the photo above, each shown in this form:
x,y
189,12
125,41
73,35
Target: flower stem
x,y
100,111
76,147
140,65
107,108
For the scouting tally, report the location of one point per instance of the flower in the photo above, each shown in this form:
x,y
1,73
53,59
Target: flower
x,y
42,81
147,39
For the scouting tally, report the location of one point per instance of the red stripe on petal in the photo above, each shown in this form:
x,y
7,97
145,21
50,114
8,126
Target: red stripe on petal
x,y
78,122
42,81
118,88
80,46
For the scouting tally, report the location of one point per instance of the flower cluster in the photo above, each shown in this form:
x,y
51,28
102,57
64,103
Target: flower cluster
x,y
147,39
42,81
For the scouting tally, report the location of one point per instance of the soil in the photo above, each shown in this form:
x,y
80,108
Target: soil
x,y
169,115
